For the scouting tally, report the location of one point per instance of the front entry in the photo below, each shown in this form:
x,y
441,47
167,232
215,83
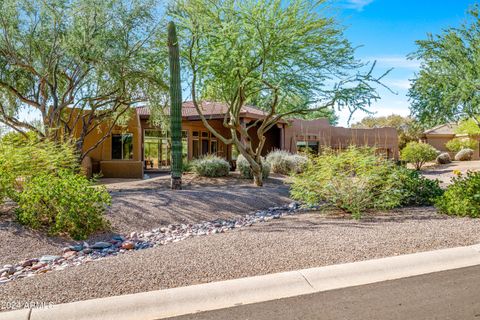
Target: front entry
x,y
157,150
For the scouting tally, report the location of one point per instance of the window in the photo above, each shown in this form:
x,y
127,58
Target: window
x,y
122,146
213,147
195,144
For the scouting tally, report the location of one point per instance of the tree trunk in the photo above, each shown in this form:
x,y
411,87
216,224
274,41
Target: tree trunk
x,y
258,178
175,107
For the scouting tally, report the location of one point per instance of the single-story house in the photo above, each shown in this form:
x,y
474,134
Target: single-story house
x,y
138,148
440,135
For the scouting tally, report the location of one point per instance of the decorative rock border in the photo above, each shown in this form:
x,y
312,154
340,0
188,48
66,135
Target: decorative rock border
x,y
83,253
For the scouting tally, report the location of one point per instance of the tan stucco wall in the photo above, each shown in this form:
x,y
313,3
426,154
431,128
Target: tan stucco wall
x,y
103,152
439,142
384,139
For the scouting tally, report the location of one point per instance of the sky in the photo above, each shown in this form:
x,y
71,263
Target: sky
x,y
386,30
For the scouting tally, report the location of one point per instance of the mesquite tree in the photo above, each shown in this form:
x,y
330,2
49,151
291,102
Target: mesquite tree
x,y
285,57
98,57
446,88
175,107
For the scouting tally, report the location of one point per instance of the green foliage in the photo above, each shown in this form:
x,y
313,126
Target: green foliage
x,y
418,153
63,203
408,128
458,144
273,54
284,162
99,56
187,166
356,180
415,189
245,170
211,166
22,158
446,87
468,126
462,197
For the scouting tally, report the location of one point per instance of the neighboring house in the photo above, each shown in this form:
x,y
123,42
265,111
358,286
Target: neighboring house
x,y
138,148
440,135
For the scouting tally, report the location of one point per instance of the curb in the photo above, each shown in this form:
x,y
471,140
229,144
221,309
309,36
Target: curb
x,y
218,295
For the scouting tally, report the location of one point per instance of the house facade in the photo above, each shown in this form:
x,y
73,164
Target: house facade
x,y
135,149
440,135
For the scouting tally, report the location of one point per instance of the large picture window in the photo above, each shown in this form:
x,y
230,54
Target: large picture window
x,y
122,146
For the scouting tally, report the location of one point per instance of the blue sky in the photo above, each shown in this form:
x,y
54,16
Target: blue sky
x,y
387,30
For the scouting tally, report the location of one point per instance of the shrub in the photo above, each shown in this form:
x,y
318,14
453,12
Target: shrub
x,y
246,172
284,162
64,203
458,144
464,155
353,180
418,154
357,179
443,158
21,158
417,190
462,197
211,166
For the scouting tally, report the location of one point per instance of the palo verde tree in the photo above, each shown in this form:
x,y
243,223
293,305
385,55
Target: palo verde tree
x,y
446,88
285,57
97,57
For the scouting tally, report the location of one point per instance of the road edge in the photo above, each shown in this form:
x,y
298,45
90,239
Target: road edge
x,y
224,294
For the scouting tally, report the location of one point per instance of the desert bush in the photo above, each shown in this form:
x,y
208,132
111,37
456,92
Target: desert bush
x,y
418,153
24,157
462,197
357,180
443,158
416,190
458,144
284,162
353,180
246,172
63,203
464,155
211,166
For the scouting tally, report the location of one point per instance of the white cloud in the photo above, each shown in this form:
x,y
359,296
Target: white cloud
x,y
399,62
357,4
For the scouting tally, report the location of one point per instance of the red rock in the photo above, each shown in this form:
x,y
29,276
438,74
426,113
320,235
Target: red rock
x,y
69,254
38,265
128,245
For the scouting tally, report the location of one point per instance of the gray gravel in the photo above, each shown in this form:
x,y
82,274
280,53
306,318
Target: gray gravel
x,y
140,205
295,242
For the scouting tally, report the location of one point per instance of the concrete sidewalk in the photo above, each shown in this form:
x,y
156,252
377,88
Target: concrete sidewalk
x,y
218,295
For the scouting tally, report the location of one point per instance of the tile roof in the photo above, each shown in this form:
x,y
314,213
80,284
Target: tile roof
x,y
209,109
447,128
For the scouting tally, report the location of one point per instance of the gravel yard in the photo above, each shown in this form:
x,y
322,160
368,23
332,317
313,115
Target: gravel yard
x,y
444,172
139,205
293,242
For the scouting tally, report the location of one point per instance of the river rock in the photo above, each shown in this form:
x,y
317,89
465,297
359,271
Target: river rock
x,y
101,245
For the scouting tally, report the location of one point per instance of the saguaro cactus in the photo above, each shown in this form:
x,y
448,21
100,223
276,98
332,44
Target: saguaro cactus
x,y
175,107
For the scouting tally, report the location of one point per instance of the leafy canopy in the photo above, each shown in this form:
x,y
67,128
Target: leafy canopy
x,y
446,88
99,56
286,58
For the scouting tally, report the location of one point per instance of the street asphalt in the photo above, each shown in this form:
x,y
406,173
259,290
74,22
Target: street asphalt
x,y
453,294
